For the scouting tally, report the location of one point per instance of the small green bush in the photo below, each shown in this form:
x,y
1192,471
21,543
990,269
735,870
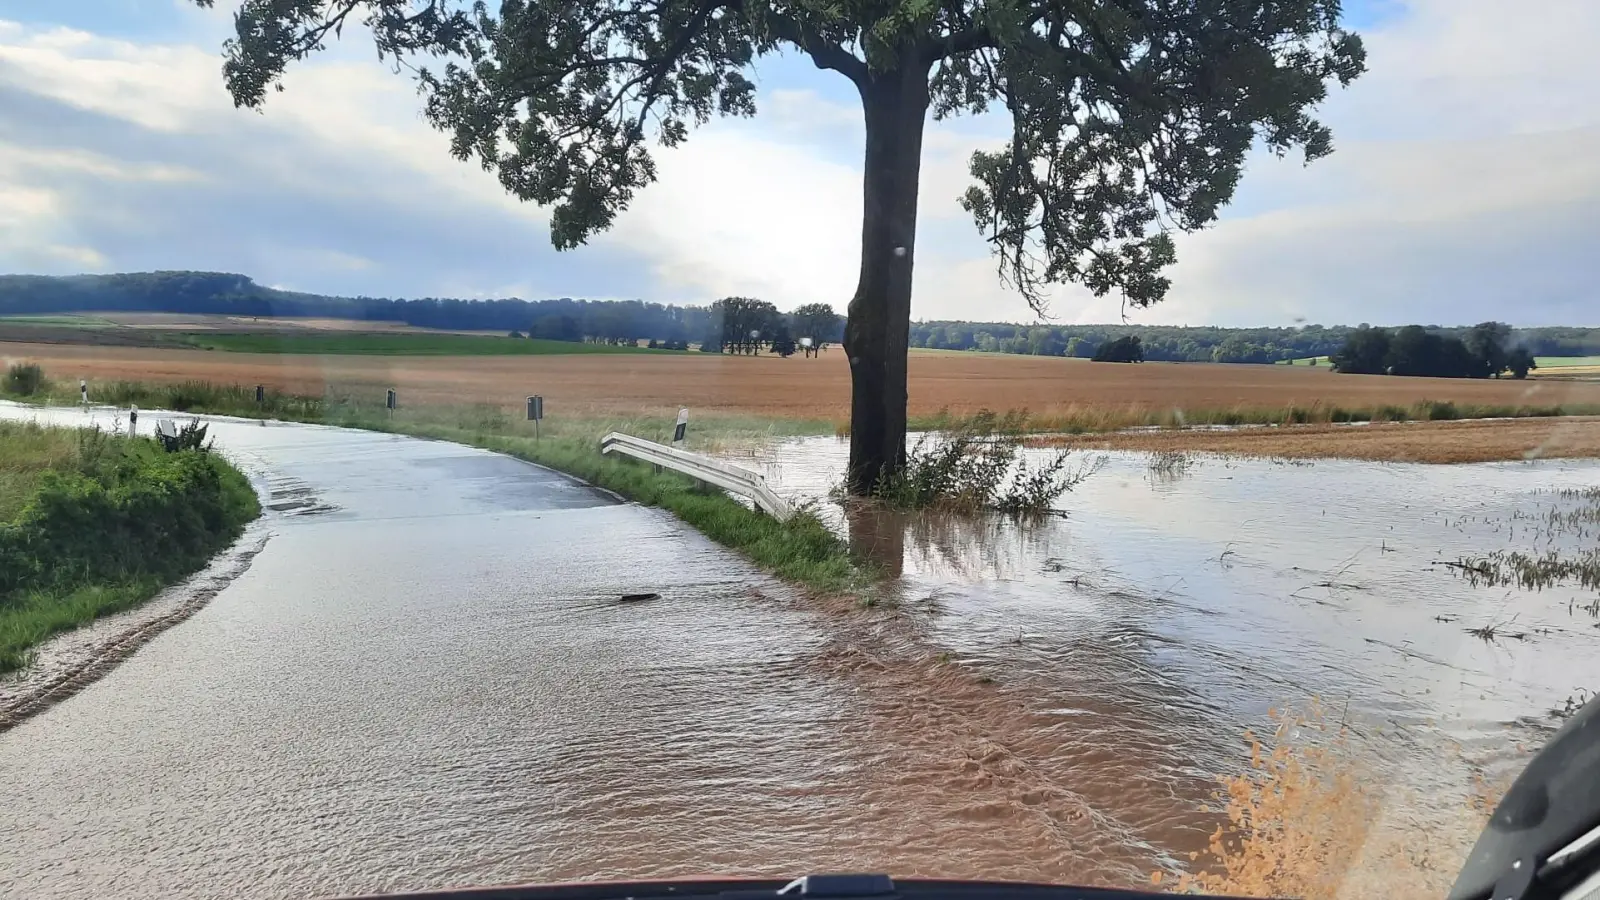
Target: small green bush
x,y
24,379
1439,410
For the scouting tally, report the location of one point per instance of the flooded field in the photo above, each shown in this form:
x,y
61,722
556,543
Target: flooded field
x,y
1178,598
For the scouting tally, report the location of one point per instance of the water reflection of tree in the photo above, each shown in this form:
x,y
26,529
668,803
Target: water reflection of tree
x,y
965,545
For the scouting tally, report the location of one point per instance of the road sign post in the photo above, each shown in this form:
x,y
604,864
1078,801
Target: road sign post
x,y
261,394
83,390
680,429
535,413
390,401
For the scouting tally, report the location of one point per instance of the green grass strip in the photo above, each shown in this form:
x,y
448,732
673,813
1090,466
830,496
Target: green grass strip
x,y
399,344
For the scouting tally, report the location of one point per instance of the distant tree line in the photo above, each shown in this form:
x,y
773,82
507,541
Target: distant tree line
x,y
725,328
563,319
1205,343
1484,351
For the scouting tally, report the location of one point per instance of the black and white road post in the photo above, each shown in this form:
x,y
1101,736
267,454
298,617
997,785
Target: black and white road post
x,y
681,429
83,390
390,401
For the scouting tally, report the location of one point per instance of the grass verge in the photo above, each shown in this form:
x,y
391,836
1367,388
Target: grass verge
x,y
97,523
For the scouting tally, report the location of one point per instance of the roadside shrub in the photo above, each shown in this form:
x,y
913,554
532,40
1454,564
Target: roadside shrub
x,y
1439,410
133,512
965,467
24,379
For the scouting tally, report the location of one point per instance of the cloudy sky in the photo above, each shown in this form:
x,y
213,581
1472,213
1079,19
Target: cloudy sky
x,y
1465,186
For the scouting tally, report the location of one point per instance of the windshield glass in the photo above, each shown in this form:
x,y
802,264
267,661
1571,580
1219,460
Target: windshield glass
x,y
1131,444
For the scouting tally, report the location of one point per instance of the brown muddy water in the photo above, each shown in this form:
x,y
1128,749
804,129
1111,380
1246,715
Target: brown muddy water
x,y
424,678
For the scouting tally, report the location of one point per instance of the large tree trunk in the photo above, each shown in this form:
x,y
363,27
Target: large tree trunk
x,y
879,327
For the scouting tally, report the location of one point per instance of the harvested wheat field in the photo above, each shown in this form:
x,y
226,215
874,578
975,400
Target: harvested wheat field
x,y
1054,389
1426,442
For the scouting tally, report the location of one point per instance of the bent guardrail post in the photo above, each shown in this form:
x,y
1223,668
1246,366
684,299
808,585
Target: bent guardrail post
x,y
741,481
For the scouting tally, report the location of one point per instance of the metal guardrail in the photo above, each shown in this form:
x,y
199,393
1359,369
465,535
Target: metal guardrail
x,y
729,477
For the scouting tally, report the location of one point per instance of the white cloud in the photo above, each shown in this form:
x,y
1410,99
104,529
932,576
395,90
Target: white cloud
x,y
1467,172
1464,155
139,145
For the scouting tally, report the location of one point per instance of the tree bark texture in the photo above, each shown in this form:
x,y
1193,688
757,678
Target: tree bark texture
x,y
877,333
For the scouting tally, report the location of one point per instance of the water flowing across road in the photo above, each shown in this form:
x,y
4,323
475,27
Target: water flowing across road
x,y
425,679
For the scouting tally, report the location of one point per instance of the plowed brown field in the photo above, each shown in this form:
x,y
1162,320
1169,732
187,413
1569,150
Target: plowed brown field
x,y
1052,388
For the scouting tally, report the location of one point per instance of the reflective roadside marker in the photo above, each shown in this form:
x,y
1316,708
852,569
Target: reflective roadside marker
x,y
261,394
83,388
682,427
389,400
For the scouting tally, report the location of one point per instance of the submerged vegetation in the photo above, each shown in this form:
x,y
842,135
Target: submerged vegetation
x,y
1576,565
977,464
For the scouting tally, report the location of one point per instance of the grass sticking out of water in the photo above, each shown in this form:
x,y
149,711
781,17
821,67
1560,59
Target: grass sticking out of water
x,y
1530,572
1170,464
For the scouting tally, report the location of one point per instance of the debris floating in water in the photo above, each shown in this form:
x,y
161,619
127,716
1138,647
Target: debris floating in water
x,y
638,598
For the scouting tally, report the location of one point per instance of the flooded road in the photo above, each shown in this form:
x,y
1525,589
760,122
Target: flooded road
x,y
424,678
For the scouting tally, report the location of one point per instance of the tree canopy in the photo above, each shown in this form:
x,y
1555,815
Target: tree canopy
x,y
1130,119
1127,348
1482,351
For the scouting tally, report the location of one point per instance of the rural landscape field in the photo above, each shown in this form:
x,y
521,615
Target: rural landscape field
x,y
596,382
1166,424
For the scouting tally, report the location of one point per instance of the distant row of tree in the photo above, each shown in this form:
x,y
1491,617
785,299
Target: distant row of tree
x,y
1484,351
717,326
745,325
